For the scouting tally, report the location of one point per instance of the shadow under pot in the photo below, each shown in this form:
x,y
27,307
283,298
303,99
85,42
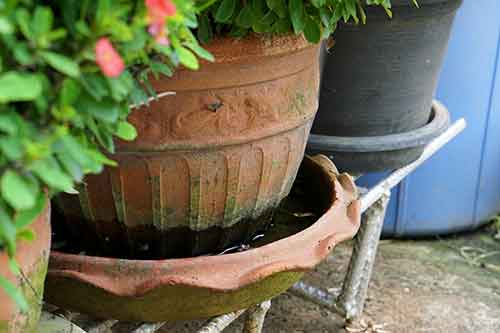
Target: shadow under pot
x,y
380,78
213,157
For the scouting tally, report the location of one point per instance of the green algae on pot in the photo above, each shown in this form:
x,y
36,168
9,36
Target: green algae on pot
x,y
205,286
32,258
213,158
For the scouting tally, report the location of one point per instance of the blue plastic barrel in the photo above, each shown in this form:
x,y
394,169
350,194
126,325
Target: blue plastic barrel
x,y
459,188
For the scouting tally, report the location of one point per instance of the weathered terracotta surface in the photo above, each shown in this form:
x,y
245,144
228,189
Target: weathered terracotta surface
x,y
205,286
223,148
32,258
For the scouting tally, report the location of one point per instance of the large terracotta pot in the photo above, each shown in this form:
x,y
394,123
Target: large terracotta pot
x,y
213,158
205,286
32,258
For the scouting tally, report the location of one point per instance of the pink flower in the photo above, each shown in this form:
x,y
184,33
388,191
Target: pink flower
x,y
159,10
160,32
106,57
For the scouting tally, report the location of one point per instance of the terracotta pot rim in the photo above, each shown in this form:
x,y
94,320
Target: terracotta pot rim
x,y
296,253
229,49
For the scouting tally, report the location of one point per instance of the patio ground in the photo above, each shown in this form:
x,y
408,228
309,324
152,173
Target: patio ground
x,y
439,285
449,285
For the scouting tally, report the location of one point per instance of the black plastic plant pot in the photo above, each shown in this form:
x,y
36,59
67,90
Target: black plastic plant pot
x,y
380,77
379,153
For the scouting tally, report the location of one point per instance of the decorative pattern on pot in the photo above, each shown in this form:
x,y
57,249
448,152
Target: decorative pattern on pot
x,y
205,286
33,258
212,159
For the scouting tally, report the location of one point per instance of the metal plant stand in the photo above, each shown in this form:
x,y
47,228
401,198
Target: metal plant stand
x,y
350,301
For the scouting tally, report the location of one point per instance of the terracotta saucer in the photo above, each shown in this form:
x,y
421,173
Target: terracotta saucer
x,y
199,287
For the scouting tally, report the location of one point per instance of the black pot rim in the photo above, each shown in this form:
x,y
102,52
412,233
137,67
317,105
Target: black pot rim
x,y
439,122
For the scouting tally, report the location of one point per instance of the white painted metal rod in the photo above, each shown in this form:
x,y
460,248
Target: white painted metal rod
x,y
255,317
397,176
310,293
103,326
149,328
218,324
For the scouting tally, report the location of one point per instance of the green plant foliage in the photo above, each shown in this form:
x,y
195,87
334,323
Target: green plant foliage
x,y
316,19
59,111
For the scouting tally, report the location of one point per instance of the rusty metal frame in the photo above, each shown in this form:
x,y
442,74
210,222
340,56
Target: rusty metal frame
x,y
350,301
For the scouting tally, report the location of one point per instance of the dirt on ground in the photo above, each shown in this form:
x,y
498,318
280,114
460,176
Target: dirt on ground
x,y
439,285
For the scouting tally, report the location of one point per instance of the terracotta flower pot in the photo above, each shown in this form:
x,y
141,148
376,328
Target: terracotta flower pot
x,y
213,158
32,258
157,290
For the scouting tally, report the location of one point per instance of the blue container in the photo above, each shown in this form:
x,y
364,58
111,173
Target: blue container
x,y
459,188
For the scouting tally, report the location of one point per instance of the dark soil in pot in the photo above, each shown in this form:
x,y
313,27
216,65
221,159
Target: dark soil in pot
x,y
213,158
380,78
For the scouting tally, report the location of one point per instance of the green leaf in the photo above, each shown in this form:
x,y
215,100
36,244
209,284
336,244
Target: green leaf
x,y
7,230
14,293
95,85
22,54
26,217
5,26
75,150
50,172
225,11
201,52
11,147
205,33
245,18
14,267
278,6
282,26
121,86
101,158
312,31
8,123
70,90
106,110
26,234
42,20
23,19
61,63
296,8
16,87
138,96
100,132
160,68
72,167
17,191
187,58
126,131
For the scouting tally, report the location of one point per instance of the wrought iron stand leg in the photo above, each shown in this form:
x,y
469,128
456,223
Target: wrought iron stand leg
x,y
352,298
217,325
255,317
